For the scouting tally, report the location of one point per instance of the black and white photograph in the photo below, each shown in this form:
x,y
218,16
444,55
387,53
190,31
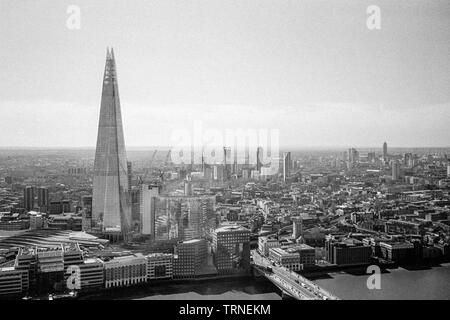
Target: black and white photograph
x,y
227,156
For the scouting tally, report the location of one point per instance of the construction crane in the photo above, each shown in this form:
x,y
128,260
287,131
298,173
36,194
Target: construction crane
x,y
141,180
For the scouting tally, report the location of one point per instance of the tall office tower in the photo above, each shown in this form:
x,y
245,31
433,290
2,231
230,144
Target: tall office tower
x,y
297,227
129,173
226,163
147,194
246,157
448,171
28,198
259,158
111,205
286,165
43,199
385,150
395,170
235,160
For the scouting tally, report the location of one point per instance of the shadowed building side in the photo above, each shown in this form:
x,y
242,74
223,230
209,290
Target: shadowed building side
x,y
111,210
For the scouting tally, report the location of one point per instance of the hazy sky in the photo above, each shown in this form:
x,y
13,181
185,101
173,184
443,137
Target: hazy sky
x,y
311,69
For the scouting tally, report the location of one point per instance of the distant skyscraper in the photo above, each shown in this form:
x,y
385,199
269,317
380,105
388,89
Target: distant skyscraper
x,y
28,198
395,170
147,193
287,163
297,227
448,171
111,205
43,199
384,150
259,158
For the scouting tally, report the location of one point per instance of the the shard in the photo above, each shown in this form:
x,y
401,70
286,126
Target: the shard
x,y
111,209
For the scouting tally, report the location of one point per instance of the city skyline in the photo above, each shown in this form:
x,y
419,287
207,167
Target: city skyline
x,y
260,68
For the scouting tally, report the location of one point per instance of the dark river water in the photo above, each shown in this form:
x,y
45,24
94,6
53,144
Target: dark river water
x,y
433,283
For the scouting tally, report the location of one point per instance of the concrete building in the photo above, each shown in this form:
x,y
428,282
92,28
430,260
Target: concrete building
x,y
43,199
147,193
307,255
397,251
125,271
395,170
297,227
13,283
347,251
287,258
159,266
231,249
266,243
189,258
91,274
28,198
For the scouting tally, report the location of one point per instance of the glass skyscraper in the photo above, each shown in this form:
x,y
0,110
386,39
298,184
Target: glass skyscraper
x,y
111,205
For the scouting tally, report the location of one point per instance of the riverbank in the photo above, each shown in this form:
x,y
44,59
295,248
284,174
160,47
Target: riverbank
x,y
229,288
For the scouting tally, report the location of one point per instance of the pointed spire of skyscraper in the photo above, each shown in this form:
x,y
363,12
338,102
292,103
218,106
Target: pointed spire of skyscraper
x,y
110,204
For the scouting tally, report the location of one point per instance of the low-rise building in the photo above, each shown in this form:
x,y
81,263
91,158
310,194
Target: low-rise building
x,y
287,258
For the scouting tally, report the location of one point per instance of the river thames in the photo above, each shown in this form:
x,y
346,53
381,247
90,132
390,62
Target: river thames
x,y
395,284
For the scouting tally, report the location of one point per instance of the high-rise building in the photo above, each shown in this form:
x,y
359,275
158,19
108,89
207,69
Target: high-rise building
x,y
226,163
395,170
297,227
43,199
28,198
287,164
231,248
259,158
448,171
111,205
147,193
385,150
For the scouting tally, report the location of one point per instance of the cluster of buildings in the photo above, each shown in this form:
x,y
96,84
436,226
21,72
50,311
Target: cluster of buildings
x,y
35,270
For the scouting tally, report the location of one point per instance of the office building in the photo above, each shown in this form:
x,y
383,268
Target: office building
x,y
385,151
287,165
13,283
159,266
231,249
146,195
91,274
43,199
307,255
397,251
189,258
28,198
395,170
125,271
183,218
286,258
111,204
347,251
266,243
297,227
